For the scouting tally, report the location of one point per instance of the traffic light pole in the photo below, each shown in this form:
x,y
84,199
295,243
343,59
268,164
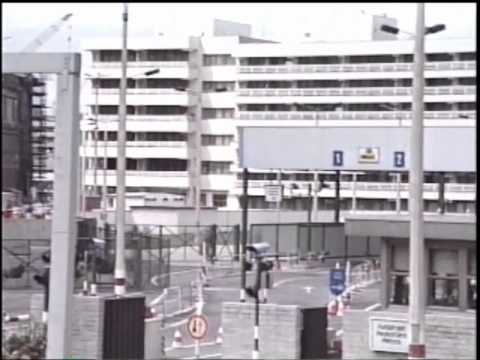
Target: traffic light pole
x,y
256,340
243,278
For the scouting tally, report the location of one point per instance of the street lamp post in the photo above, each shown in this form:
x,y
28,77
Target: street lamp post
x,y
416,308
120,274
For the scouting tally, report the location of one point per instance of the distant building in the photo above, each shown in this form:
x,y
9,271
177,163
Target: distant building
x,y
208,86
16,127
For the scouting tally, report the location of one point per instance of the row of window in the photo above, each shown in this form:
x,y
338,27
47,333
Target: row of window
x,y
305,84
141,110
218,86
208,167
217,113
140,55
371,176
304,203
400,106
147,83
215,60
217,140
354,59
443,278
141,136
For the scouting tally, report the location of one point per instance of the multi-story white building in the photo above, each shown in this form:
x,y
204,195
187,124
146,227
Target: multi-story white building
x,y
207,86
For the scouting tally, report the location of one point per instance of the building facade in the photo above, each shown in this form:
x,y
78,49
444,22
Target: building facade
x,y
182,121
16,131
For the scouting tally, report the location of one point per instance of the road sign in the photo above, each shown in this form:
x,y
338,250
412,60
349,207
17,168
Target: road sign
x,y
273,193
337,281
399,158
197,326
337,158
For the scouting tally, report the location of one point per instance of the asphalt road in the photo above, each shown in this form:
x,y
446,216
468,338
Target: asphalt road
x,y
307,288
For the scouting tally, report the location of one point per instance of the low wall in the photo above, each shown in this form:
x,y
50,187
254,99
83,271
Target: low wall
x,y
449,334
279,332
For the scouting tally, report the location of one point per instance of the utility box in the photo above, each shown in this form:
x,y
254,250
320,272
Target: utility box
x,y
314,344
124,328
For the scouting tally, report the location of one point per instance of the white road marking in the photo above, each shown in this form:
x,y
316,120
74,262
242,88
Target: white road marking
x,y
284,281
372,307
209,356
308,289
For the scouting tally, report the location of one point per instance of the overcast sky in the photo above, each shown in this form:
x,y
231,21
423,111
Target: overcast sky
x,y
22,22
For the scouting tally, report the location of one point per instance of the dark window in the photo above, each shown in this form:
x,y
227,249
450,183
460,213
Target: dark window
x,y
440,57
219,200
470,56
443,277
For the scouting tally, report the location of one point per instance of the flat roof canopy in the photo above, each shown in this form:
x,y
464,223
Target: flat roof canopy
x,y
443,227
450,149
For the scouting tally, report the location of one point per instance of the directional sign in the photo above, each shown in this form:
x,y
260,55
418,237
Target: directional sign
x,y
337,281
273,193
399,159
337,158
197,326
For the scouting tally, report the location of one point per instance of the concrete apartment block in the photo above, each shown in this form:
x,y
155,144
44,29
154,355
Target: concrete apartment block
x,y
449,334
280,331
87,327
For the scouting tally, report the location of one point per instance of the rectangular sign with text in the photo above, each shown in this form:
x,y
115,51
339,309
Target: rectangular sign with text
x,y
389,335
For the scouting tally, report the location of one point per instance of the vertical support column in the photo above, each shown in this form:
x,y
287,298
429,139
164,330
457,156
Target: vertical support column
x,y
441,193
385,265
120,273
416,300
337,196
315,196
243,279
354,192
309,219
64,225
279,205
462,277
236,242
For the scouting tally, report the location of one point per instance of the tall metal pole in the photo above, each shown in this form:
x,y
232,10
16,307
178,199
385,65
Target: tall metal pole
x,y
315,196
104,188
120,274
243,278
417,300
279,205
256,327
354,193
337,196
95,151
398,204
309,218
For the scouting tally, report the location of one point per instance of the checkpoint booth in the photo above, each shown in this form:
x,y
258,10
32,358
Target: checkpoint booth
x,y
450,292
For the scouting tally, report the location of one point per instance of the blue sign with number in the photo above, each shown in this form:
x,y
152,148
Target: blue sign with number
x,y
337,281
337,158
399,158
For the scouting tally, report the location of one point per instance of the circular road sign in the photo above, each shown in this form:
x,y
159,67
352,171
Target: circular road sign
x,y
197,326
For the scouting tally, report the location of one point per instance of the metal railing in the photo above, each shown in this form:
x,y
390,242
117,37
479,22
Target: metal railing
x,y
135,64
371,91
351,115
359,186
385,67
140,143
141,91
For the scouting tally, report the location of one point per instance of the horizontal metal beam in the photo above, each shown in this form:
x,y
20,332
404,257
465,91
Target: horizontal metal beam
x,y
43,63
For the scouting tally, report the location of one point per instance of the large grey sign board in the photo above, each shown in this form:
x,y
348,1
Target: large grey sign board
x,y
355,148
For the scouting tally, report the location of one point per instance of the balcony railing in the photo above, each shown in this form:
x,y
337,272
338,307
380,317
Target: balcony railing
x,y
360,186
141,91
379,91
350,115
143,173
136,64
173,118
146,144
387,67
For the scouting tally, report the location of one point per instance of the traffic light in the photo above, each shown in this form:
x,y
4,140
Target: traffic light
x,y
266,265
252,292
43,279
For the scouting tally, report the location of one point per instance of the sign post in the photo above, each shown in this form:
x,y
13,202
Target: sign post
x,y
197,328
337,281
